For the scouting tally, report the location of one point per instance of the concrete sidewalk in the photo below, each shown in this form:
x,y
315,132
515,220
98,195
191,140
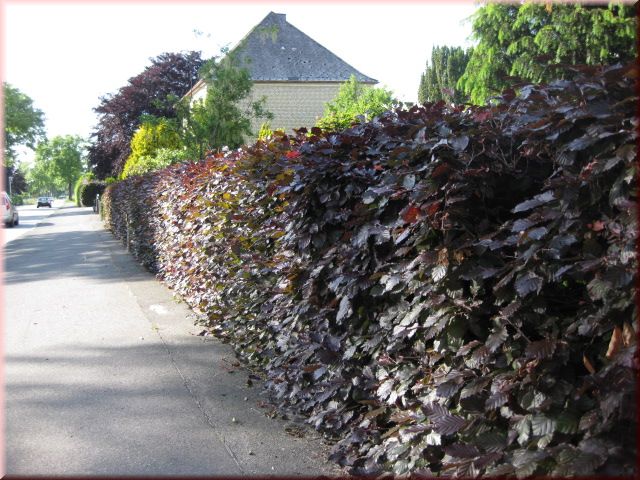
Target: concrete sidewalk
x,y
105,374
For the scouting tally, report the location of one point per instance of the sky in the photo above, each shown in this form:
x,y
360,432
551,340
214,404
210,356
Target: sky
x,y
66,55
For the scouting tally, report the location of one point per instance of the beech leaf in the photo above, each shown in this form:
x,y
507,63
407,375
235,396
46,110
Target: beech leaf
x,y
528,283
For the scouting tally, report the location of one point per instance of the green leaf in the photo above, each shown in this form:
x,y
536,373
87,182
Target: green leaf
x,y
523,428
567,422
542,425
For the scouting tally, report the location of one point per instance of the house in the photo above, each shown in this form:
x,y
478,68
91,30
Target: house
x,y
296,74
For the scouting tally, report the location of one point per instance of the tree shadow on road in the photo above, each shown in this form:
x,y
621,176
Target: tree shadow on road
x,y
56,255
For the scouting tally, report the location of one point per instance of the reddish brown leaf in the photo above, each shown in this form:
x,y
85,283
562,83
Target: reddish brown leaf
x,y
615,343
411,214
588,365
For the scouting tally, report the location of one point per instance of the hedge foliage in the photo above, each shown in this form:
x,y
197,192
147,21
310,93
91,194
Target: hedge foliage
x,y
444,291
86,192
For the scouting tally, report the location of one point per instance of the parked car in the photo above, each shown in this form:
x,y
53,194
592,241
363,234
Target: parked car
x,y
9,211
44,202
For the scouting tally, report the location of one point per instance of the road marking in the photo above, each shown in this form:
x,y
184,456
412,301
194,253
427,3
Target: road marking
x,y
159,309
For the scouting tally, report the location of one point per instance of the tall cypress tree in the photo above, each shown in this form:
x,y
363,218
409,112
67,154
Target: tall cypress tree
x,y
438,82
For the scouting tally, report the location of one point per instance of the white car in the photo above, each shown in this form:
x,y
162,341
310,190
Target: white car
x,y
9,212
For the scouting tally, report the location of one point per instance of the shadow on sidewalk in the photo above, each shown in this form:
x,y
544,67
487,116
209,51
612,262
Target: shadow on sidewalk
x,y
73,253
126,396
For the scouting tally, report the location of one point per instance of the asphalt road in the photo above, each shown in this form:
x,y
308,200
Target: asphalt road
x,y
105,373
30,216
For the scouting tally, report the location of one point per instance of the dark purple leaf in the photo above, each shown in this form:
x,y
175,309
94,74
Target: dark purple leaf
x,y
541,349
444,422
538,200
496,400
537,233
541,425
409,181
385,389
459,143
497,338
447,389
528,283
459,450
344,310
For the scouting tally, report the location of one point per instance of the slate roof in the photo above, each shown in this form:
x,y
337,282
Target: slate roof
x,y
278,51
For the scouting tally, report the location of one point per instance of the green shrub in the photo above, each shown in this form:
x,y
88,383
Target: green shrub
x,y
443,291
355,100
17,199
155,145
88,191
163,157
84,178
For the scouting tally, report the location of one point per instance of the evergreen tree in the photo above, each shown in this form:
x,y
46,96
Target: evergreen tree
x,y
223,118
438,82
156,144
525,41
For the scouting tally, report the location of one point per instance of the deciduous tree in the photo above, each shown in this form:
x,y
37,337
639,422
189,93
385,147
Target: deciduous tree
x,y
58,164
355,99
153,92
23,122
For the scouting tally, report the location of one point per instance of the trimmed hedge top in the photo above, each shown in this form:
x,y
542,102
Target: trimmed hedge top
x,y
444,291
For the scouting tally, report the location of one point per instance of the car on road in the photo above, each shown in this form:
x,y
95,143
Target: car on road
x,y
9,212
44,202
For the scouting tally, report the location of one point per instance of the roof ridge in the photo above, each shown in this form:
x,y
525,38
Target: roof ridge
x,y
319,65
331,53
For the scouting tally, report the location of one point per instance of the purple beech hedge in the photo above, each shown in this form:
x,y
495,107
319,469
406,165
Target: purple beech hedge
x,y
442,291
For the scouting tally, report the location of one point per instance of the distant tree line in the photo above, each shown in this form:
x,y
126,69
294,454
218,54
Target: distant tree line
x,y
58,161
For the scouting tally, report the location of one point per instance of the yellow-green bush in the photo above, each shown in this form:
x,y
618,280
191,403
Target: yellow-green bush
x,y
156,144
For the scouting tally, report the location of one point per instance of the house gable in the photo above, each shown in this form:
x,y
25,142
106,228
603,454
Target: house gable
x,y
296,74
275,50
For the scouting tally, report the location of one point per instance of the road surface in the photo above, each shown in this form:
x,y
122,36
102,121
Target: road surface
x,y
105,373
30,216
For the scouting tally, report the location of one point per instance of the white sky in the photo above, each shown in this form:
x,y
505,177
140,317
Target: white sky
x,y
66,56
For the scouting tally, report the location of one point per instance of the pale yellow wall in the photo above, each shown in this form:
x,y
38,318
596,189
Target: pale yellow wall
x,y
198,92
293,105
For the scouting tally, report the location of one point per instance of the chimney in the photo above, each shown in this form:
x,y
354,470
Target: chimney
x,y
278,18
